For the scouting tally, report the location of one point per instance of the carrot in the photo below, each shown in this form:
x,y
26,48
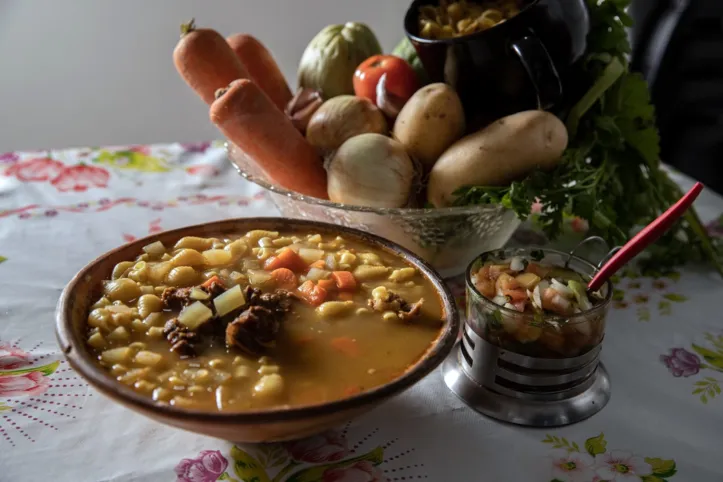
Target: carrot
x,y
284,278
212,280
327,284
321,264
344,280
286,258
205,61
262,68
347,346
345,296
312,293
249,119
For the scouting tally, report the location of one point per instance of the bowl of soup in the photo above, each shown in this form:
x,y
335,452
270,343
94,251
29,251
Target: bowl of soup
x,y
256,329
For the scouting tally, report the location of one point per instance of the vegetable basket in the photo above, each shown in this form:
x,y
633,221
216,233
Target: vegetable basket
x,y
447,238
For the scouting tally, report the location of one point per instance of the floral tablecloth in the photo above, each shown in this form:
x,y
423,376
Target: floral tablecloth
x,y
60,209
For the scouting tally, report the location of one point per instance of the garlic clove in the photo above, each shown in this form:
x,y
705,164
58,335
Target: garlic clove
x,y
388,102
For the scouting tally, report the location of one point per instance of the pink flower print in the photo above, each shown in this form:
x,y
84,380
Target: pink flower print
x,y
681,362
620,466
79,178
141,150
196,146
33,383
206,170
8,157
572,466
536,207
362,471
326,447
37,169
12,358
207,467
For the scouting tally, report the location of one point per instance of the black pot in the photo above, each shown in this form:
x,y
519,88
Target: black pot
x,y
517,65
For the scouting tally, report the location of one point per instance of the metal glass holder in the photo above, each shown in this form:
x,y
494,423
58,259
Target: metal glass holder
x,y
537,392
526,390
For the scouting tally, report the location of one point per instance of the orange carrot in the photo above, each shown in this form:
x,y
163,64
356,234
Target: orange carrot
x,y
287,258
344,280
345,296
346,345
284,278
262,68
249,119
211,280
321,264
327,284
312,293
205,61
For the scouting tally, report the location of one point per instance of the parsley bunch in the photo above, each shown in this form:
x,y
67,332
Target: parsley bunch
x,y
610,174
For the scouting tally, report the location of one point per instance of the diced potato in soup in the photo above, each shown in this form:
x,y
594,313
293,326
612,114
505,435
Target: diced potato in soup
x,y
262,319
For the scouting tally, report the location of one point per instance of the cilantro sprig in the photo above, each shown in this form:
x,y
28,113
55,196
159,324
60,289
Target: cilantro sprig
x,y
610,174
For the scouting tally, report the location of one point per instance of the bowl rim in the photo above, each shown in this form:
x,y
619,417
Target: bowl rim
x,y
445,211
581,317
74,348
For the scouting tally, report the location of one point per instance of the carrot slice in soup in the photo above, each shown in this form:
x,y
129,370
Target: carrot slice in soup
x,y
287,258
284,278
327,284
312,293
344,280
212,280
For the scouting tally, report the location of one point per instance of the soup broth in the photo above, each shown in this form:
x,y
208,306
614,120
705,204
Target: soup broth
x,y
262,320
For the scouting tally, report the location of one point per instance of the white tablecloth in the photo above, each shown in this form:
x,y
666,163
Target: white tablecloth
x,y
61,209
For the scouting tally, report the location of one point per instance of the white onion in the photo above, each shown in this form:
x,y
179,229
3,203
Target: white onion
x,y
500,300
371,170
517,264
537,297
562,289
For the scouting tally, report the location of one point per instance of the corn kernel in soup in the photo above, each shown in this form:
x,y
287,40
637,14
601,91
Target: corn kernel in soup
x,y
262,319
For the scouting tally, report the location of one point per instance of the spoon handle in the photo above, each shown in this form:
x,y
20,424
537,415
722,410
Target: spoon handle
x,y
647,236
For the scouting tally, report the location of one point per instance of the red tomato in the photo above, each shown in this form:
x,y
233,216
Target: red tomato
x,y
401,78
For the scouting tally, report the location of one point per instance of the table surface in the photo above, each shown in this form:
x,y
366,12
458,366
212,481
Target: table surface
x,y
61,209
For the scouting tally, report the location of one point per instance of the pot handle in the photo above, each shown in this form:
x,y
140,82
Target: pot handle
x,y
541,70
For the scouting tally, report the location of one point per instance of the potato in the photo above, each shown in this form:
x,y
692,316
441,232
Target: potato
x,y
430,121
505,150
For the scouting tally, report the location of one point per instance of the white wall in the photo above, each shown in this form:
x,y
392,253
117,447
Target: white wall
x,y
99,72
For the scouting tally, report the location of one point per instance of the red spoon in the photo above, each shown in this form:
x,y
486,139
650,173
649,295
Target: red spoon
x,y
647,236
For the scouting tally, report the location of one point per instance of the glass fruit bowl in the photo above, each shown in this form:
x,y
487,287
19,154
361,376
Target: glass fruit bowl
x,y
539,336
447,238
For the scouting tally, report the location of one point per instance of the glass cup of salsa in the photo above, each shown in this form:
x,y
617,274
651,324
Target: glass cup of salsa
x,y
532,301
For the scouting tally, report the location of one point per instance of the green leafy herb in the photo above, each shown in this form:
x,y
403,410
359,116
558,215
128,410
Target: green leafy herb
x,y
610,174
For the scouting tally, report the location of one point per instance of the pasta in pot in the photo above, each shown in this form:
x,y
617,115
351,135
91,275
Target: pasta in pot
x,y
463,17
